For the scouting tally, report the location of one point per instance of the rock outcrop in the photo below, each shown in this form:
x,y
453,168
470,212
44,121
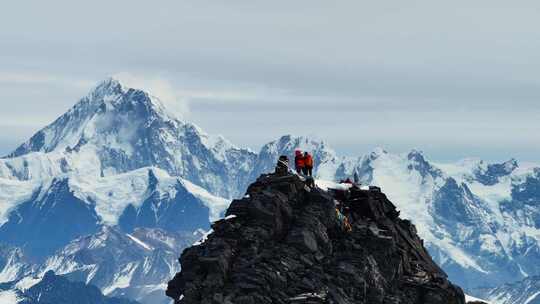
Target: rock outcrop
x,y
287,243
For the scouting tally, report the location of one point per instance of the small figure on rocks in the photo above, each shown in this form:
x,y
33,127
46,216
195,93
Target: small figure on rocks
x,y
299,161
308,164
282,166
344,221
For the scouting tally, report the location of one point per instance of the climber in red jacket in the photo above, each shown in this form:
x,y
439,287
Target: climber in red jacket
x,y
299,163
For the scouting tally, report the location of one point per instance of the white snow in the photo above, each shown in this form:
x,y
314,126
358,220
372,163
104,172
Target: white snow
x,y
217,205
513,228
471,299
27,282
112,194
204,238
457,254
9,297
459,169
139,242
122,279
326,184
12,269
532,297
218,144
406,188
92,273
14,192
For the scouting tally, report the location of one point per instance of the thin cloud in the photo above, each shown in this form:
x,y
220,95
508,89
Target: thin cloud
x,y
411,74
32,78
158,87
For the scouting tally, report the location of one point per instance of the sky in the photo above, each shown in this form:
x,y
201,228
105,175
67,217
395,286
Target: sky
x,y
455,79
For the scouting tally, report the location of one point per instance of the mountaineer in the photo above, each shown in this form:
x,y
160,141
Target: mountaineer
x,y
308,164
344,221
299,161
282,166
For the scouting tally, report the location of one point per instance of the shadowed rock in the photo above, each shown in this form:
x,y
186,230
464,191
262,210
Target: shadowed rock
x,y
287,244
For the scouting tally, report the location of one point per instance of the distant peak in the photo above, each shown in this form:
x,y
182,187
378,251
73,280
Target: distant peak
x,y
109,89
111,80
416,152
113,90
416,155
378,151
286,137
302,139
125,80
303,142
118,84
511,163
109,84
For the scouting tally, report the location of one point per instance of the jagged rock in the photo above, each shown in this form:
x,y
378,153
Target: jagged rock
x,y
287,245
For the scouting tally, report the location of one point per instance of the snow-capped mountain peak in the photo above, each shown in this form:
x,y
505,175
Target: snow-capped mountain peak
x,y
109,89
117,129
108,115
377,152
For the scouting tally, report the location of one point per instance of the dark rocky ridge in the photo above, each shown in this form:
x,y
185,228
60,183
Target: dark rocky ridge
x,y
288,245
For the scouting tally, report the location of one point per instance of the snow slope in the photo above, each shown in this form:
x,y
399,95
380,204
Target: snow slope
x,y
526,291
9,297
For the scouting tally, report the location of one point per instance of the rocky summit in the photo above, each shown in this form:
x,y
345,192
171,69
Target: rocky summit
x,y
286,242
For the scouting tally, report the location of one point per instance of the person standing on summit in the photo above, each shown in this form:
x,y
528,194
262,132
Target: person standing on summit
x,y
299,162
308,164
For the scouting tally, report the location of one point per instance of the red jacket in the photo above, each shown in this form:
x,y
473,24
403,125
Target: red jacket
x,y
299,161
308,161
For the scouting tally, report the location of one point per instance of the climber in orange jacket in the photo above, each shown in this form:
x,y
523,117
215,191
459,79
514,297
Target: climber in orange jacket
x,y
299,162
308,164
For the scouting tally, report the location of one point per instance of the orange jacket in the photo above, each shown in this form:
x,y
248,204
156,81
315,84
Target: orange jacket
x,y
308,160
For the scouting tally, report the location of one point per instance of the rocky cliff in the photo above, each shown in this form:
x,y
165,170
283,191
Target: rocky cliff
x,y
285,242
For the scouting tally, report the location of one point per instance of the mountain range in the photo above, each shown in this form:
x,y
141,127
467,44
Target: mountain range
x,y
111,192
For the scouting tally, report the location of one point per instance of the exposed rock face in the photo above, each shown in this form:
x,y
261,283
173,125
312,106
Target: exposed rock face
x,y
287,244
